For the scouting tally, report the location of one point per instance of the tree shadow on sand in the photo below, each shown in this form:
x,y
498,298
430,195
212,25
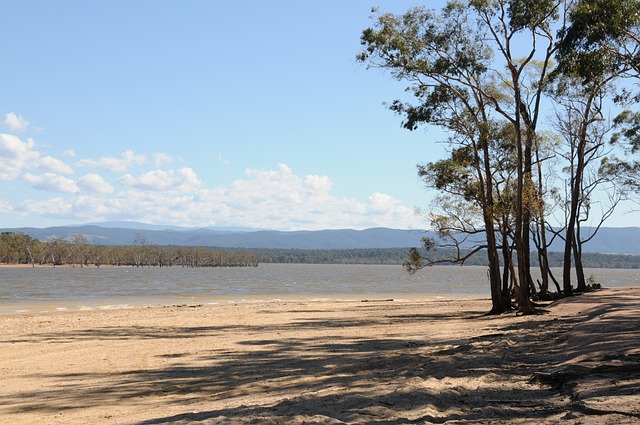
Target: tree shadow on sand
x,y
372,379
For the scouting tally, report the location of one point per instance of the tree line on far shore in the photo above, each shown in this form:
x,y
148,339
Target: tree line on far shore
x,y
398,256
20,248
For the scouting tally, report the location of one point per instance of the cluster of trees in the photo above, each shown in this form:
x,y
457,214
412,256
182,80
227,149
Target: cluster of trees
x,y
398,256
537,99
20,248
395,256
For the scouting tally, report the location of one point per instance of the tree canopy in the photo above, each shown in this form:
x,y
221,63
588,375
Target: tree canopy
x,y
489,72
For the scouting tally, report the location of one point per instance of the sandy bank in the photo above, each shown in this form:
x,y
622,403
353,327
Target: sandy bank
x,y
326,362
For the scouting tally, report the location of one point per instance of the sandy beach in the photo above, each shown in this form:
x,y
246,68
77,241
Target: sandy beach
x,y
375,362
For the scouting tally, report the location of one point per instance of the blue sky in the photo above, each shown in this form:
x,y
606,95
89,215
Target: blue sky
x,y
202,113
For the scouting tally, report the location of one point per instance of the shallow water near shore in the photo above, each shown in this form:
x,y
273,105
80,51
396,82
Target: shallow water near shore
x,y
35,290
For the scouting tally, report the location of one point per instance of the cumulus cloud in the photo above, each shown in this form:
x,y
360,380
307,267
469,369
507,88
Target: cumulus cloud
x,y
115,164
51,182
381,202
318,183
264,198
94,183
6,207
183,179
162,159
53,165
14,122
15,155
281,199
54,207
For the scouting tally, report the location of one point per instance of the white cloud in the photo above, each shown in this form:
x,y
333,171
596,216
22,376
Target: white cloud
x,y
320,183
53,165
277,198
14,122
183,179
162,159
51,182
69,153
381,202
55,207
15,155
6,207
281,199
117,165
94,183
222,160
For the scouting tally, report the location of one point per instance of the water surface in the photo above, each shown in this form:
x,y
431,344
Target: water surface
x,y
28,290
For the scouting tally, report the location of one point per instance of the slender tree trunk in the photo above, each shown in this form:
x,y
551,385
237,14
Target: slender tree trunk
x,y
577,255
570,236
553,279
508,269
497,300
542,231
486,180
519,216
524,254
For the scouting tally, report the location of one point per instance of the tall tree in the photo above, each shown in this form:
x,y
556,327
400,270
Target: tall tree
x,y
600,37
455,64
447,63
598,46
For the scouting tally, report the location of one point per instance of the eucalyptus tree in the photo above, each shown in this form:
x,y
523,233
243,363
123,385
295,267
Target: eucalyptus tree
x,y
601,36
17,247
582,122
469,64
80,249
598,46
447,63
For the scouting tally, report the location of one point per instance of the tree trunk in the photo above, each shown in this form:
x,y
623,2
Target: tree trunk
x,y
508,269
524,253
577,255
497,300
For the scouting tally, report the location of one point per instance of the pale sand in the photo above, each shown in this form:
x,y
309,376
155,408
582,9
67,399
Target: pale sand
x,y
326,362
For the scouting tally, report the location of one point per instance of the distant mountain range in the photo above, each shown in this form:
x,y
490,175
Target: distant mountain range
x,y
609,240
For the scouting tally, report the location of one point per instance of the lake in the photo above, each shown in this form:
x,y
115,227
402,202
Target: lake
x,y
28,290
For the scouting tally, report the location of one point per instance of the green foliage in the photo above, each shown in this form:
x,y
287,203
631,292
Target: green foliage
x,y
532,14
601,37
395,256
438,52
481,70
627,132
19,248
593,22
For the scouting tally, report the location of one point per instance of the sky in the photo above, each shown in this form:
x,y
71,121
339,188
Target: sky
x,y
203,113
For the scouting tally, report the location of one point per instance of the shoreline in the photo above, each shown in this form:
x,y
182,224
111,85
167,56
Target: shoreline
x,y
326,362
59,266
143,303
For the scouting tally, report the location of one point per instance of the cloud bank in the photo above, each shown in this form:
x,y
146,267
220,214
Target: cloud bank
x,y
132,186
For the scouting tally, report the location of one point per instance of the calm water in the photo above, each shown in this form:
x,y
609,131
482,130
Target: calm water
x,y
27,290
